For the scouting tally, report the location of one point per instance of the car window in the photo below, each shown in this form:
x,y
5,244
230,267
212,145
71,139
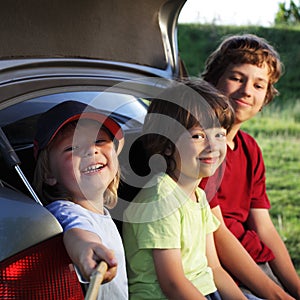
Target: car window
x,y
19,121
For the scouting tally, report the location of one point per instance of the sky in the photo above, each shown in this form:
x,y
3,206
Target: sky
x,y
230,12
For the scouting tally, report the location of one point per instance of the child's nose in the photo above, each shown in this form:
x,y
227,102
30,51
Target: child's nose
x,y
90,150
212,143
246,88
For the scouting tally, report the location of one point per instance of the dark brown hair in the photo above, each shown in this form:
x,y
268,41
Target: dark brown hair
x,y
187,103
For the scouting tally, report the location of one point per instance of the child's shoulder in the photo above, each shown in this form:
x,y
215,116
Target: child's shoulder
x,y
159,185
160,197
64,208
247,138
60,204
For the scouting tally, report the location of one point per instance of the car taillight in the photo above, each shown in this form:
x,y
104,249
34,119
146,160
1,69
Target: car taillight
x,y
43,271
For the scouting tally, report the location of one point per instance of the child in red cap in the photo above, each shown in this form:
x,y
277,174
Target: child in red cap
x,y
77,176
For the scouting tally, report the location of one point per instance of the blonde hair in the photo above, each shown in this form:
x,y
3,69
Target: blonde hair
x,y
48,193
244,49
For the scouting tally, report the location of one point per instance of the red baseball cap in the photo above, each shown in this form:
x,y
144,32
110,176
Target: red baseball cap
x,y
55,118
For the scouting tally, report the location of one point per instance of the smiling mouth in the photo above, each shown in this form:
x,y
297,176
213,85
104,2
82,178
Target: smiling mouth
x,y
93,168
209,160
241,102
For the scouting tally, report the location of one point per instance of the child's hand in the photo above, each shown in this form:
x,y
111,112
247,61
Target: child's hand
x,y
86,251
103,253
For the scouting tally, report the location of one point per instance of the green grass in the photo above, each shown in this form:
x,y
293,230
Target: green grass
x,y
279,139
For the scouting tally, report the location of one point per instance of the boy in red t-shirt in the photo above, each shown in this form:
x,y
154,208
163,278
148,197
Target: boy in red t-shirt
x,y
245,69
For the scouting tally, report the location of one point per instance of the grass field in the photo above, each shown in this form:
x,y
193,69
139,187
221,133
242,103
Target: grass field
x,y
279,139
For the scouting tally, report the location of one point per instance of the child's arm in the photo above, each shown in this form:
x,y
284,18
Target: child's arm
x,y
239,263
226,286
86,251
171,276
282,266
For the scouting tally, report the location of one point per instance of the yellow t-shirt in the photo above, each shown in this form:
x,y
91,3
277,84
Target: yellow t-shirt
x,y
162,216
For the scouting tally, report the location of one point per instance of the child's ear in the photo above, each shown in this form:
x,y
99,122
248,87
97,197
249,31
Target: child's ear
x,y
50,180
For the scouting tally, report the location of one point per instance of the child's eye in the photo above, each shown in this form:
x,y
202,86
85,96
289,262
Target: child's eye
x,y
236,78
199,136
260,86
71,148
221,135
101,141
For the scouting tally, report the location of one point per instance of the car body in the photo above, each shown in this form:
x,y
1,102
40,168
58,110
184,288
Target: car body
x,y
111,54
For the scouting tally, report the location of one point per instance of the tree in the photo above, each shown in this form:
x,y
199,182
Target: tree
x,y
288,15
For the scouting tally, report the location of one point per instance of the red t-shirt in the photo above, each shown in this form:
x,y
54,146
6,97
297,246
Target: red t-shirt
x,y
237,186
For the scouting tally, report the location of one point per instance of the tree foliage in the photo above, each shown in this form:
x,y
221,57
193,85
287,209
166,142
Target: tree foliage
x,y
288,14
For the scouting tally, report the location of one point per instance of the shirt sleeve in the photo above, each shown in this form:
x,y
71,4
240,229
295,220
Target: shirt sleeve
x,y
70,215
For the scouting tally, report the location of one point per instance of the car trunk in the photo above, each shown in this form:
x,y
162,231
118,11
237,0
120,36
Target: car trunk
x,y
138,32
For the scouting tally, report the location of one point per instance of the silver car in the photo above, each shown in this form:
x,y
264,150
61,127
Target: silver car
x,y
112,54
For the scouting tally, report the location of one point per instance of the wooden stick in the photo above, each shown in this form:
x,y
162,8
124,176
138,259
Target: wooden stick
x,y
95,281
